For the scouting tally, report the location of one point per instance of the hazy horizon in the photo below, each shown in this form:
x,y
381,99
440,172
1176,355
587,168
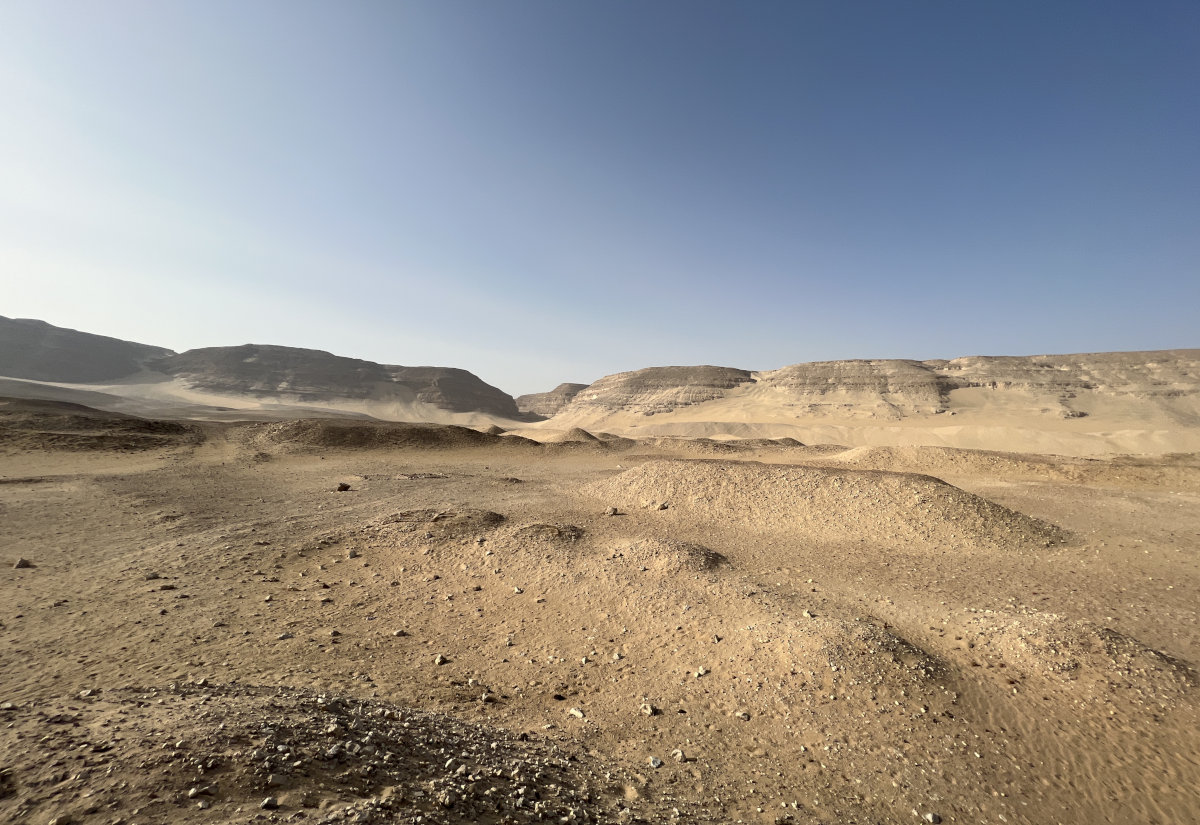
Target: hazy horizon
x,y
541,193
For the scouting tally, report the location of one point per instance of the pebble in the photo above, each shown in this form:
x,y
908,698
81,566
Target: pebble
x,y
576,712
932,818
678,756
22,563
440,659
649,709
518,590
269,804
343,487
654,762
611,511
741,714
352,554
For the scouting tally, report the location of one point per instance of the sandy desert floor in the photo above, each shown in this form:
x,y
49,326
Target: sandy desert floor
x,y
485,629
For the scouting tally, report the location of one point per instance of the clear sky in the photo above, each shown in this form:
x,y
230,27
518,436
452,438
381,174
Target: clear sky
x,y
553,191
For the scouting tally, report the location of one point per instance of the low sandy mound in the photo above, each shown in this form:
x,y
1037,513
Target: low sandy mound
x,y
443,523
311,433
1093,661
666,557
549,533
494,430
573,435
822,504
1182,472
953,461
57,425
336,759
711,446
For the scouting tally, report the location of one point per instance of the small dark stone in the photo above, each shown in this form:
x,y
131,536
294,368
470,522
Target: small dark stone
x,y
343,487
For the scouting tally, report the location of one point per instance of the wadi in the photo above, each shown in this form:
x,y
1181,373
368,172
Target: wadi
x,y
265,584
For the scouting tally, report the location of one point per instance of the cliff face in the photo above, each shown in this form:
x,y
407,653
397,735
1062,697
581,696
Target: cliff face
x,y
315,376
656,390
547,404
1161,373
37,351
891,387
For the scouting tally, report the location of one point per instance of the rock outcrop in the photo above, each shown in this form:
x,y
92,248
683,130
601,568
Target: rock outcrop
x,y
896,386
658,389
547,404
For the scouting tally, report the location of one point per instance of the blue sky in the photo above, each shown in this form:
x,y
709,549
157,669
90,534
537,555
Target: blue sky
x,y
545,191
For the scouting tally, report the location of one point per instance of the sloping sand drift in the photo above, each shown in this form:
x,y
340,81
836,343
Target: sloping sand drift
x,y
824,505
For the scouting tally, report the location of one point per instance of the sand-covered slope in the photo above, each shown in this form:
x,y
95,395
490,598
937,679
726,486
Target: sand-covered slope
x,y
38,351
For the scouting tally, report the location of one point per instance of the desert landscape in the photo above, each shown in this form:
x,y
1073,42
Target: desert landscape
x,y
262,584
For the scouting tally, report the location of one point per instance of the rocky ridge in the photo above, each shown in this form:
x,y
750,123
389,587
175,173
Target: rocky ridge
x,y
549,403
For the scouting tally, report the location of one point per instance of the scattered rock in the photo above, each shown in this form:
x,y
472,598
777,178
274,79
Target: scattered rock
x,y
22,564
343,487
440,660
611,511
352,554
269,804
654,762
576,712
741,714
678,756
932,818
648,709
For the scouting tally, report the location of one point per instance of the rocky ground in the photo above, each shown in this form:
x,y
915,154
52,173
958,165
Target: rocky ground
x,y
198,625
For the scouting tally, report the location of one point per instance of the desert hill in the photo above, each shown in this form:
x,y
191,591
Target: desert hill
x,y
1082,404
314,375
38,360
38,351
